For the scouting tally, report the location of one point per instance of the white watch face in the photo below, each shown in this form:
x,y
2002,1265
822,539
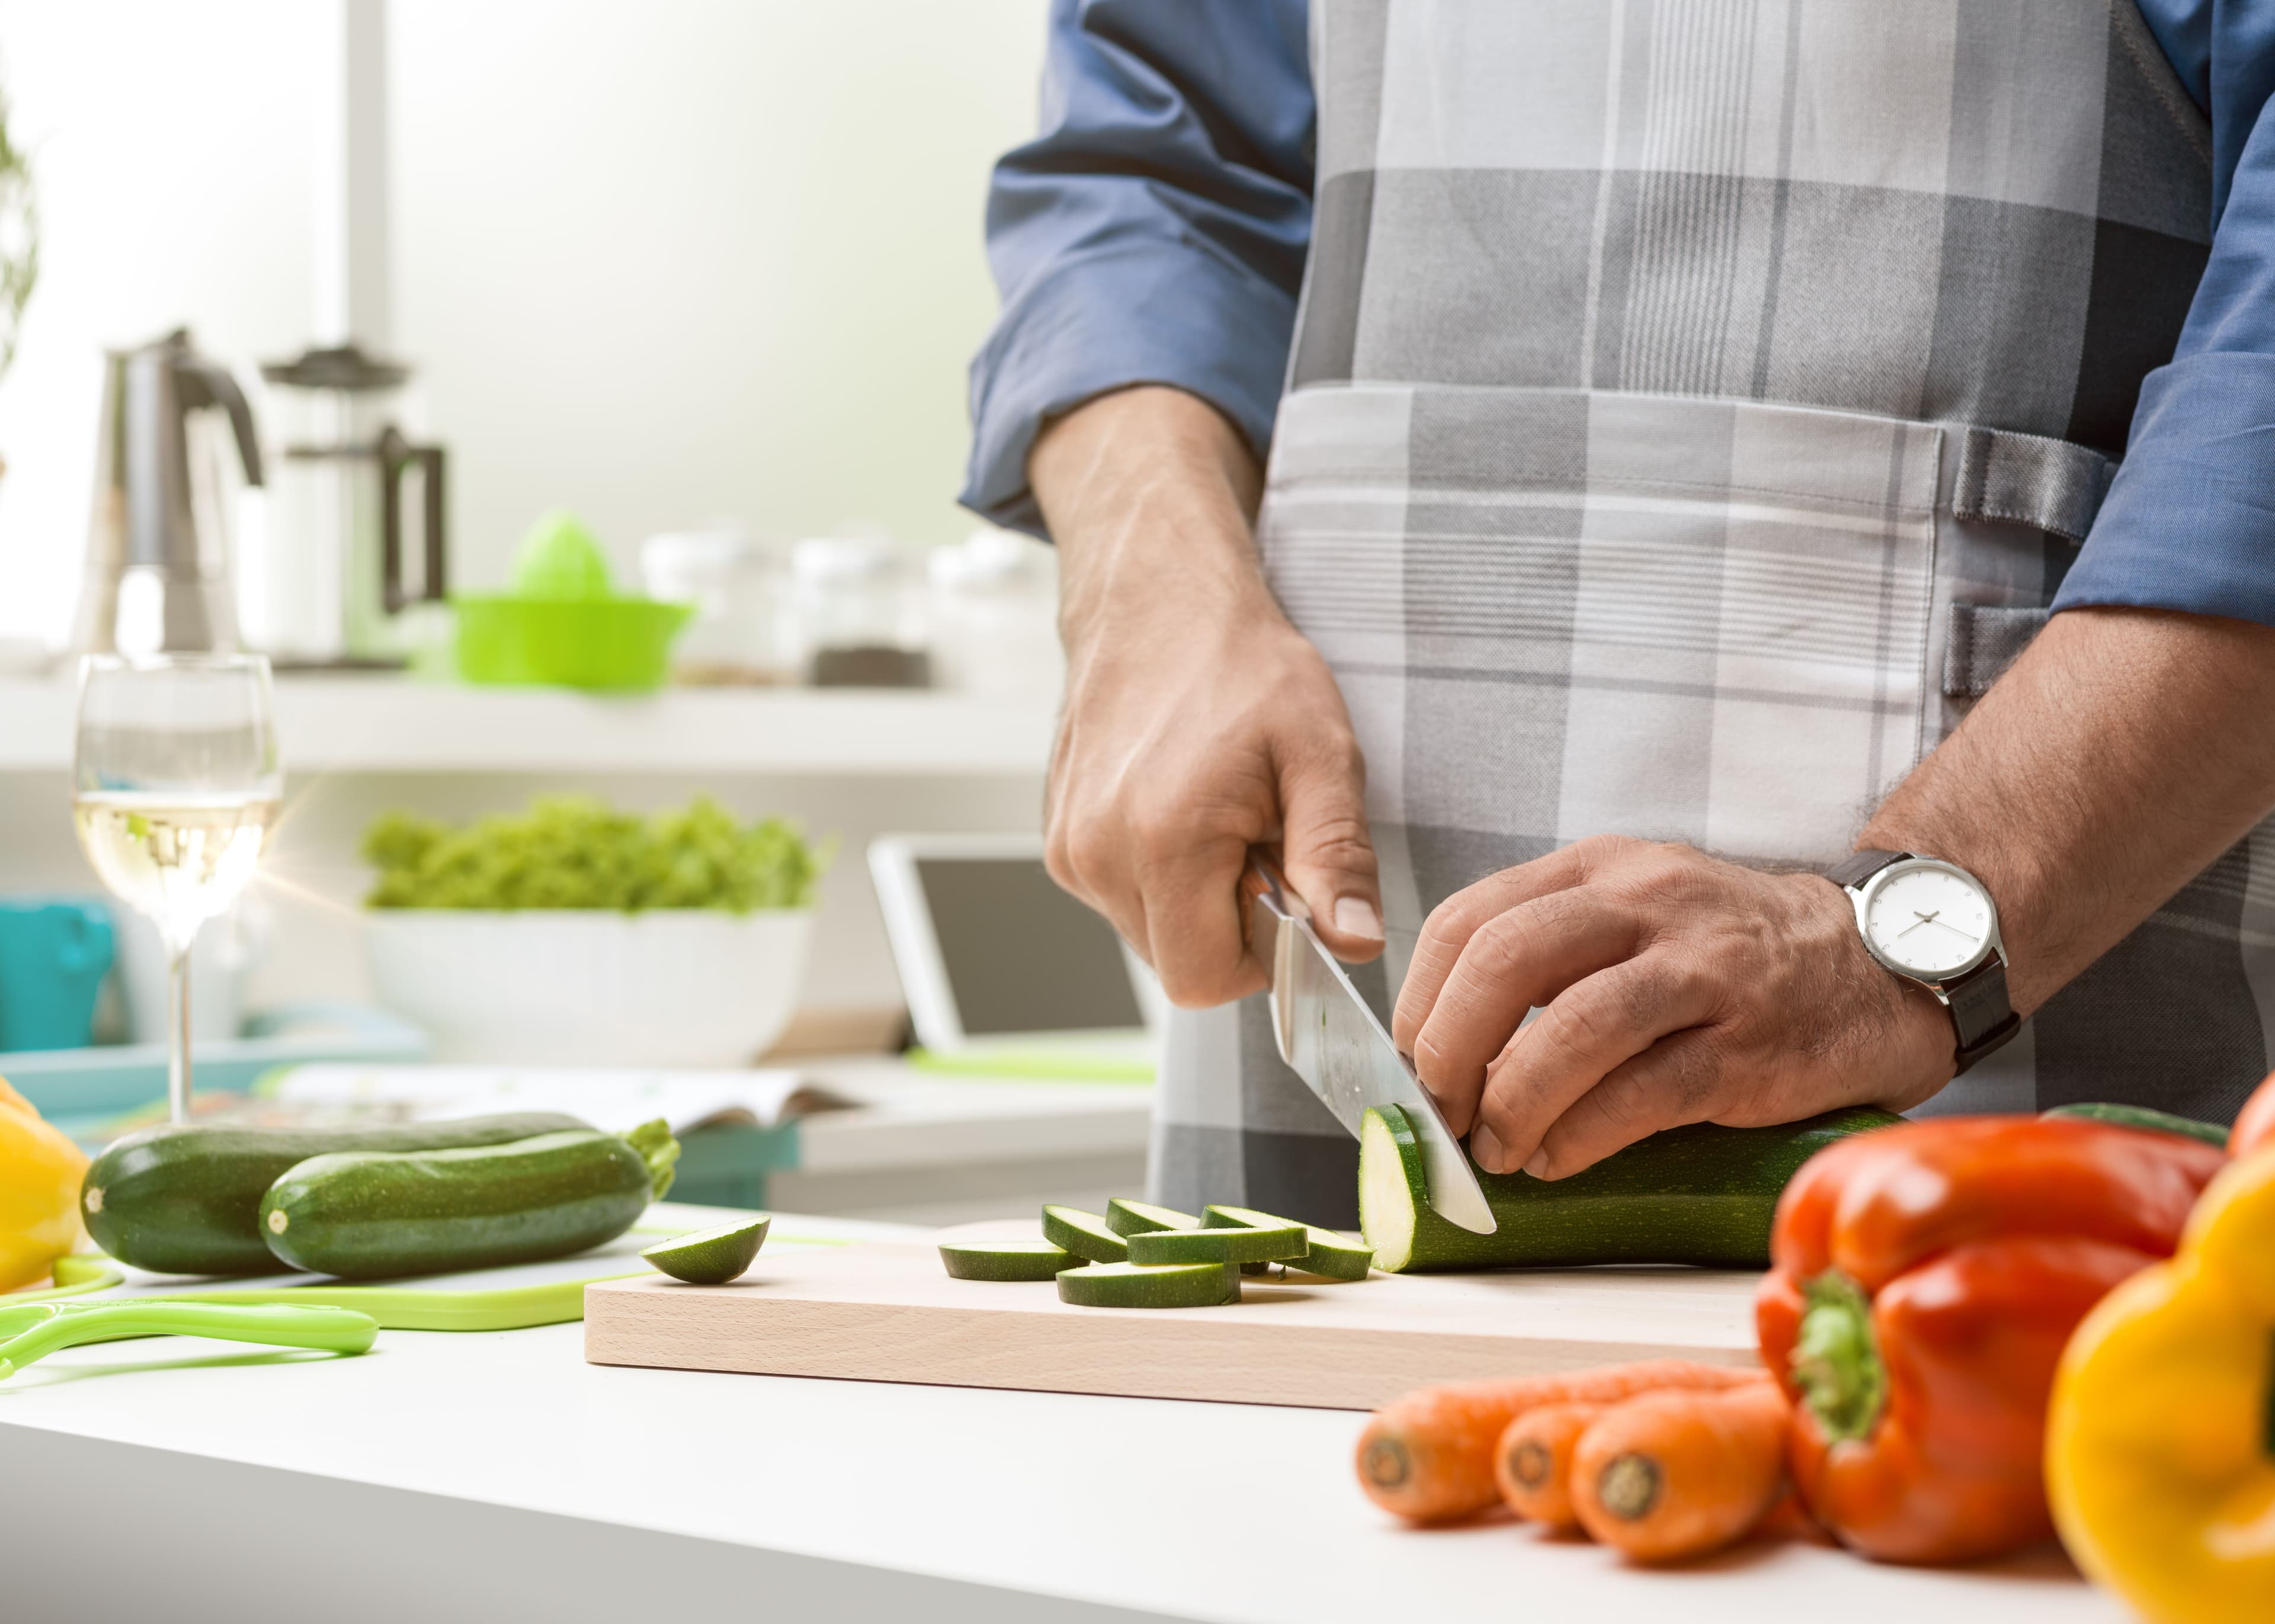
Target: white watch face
x,y
1928,921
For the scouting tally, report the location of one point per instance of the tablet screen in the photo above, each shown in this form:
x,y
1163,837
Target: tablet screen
x,y
1021,954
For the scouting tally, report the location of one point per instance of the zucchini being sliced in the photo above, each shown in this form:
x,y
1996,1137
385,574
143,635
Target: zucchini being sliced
x,y
1128,1285
1128,1218
1029,1261
1084,1234
1222,1245
1326,1254
2144,1117
1702,1194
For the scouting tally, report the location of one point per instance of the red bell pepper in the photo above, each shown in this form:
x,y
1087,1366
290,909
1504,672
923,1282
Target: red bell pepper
x,y
1924,1279
2255,1124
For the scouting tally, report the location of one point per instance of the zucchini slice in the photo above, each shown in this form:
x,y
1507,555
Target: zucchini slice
x,y
1128,1285
1033,1260
712,1256
1702,1194
1128,1218
1326,1253
1084,1234
1243,1245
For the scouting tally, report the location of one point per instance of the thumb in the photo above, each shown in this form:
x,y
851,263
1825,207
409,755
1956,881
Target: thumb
x,y
1327,858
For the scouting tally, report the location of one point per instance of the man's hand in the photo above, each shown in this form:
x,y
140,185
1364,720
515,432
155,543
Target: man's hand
x,y
1674,988
1197,721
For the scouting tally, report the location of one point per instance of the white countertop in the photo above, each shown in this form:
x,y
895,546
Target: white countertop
x,y
379,723
499,1477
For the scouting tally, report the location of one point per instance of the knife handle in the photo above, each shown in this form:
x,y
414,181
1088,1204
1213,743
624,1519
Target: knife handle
x,y
1252,886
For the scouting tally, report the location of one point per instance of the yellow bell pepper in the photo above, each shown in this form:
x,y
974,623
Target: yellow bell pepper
x,y
40,1175
2160,1446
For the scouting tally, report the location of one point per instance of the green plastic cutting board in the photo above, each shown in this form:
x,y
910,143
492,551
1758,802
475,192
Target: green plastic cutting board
x,y
478,1300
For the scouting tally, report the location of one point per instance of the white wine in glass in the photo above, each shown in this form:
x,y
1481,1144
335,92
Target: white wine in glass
x,y
177,784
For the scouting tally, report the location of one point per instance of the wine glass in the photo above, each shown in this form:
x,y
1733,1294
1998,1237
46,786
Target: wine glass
x,y
176,783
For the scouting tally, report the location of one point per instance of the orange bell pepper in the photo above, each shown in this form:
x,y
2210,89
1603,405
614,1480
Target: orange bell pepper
x,y
1925,1279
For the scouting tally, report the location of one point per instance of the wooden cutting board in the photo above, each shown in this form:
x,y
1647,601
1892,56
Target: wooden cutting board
x,y
886,1311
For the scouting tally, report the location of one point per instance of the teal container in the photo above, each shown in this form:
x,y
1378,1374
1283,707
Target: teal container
x,y
54,953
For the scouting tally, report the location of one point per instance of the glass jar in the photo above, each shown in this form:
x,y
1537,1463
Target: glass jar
x,y
859,619
737,584
994,614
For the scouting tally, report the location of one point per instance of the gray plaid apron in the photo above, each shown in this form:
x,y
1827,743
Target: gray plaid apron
x,y
1695,404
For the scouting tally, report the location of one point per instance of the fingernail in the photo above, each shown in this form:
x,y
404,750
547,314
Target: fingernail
x,y
1538,1166
1486,1148
1355,916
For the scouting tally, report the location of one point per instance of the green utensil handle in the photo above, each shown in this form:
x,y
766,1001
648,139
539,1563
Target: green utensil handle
x,y
331,1329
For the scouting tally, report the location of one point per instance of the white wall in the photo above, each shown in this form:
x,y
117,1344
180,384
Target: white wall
x,y
169,147
662,261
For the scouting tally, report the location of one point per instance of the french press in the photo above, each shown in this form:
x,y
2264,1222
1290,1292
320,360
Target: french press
x,y
329,587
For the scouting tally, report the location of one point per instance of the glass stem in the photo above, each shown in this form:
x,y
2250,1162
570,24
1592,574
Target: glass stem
x,y
178,1034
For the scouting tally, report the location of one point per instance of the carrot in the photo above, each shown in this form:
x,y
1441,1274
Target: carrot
x,y
1668,1476
1429,1456
1533,1463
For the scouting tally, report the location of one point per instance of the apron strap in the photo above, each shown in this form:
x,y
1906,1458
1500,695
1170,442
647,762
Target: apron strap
x,y
2050,485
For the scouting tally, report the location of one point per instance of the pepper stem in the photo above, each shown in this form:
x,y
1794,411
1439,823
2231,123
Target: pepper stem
x,y
1836,1361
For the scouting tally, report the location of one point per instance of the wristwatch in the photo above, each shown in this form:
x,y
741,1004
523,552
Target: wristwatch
x,y
1934,923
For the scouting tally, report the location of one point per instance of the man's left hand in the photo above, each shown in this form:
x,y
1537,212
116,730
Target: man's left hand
x,y
1674,988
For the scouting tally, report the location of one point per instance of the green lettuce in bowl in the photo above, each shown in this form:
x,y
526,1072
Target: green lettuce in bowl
x,y
572,934
576,851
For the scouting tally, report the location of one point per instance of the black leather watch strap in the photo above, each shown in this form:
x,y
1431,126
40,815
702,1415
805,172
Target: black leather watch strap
x,y
1858,866
1980,1013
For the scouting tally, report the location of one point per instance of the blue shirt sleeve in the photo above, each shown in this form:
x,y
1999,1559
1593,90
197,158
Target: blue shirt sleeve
x,y
1154,232
2189,522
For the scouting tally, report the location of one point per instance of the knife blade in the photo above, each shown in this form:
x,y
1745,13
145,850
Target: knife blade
x,y
1330,1039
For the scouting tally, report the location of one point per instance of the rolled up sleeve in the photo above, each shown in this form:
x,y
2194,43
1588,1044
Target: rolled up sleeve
x,y
2189,521
1154,232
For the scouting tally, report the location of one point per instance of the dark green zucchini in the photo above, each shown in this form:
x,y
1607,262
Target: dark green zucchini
x,y
369,1214
2144,1117
186,1199
1702,1195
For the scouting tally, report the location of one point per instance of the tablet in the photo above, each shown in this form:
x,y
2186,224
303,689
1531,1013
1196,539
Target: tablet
x,y
994,956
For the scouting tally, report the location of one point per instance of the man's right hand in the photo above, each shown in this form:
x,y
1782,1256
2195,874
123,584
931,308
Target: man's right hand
x,y
1197,721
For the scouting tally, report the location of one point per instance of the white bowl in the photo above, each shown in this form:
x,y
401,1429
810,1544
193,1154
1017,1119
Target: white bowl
x,y
544,986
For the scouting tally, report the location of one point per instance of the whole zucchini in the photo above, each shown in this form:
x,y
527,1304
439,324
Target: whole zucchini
x,y
185,1199
2146,1118
1703,1194
368,1215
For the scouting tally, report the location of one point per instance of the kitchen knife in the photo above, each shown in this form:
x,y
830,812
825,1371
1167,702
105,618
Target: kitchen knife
x,y
1331,1039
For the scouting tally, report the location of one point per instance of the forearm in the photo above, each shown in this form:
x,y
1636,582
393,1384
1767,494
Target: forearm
x,y
2123,753
1150,497
1198,723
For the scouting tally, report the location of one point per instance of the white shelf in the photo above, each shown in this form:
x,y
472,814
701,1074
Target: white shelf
x,y
387,724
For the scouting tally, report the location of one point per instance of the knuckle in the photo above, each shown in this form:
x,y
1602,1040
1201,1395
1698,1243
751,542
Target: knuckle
x,y
1582,1023
1597,851
1339,843
1089,851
